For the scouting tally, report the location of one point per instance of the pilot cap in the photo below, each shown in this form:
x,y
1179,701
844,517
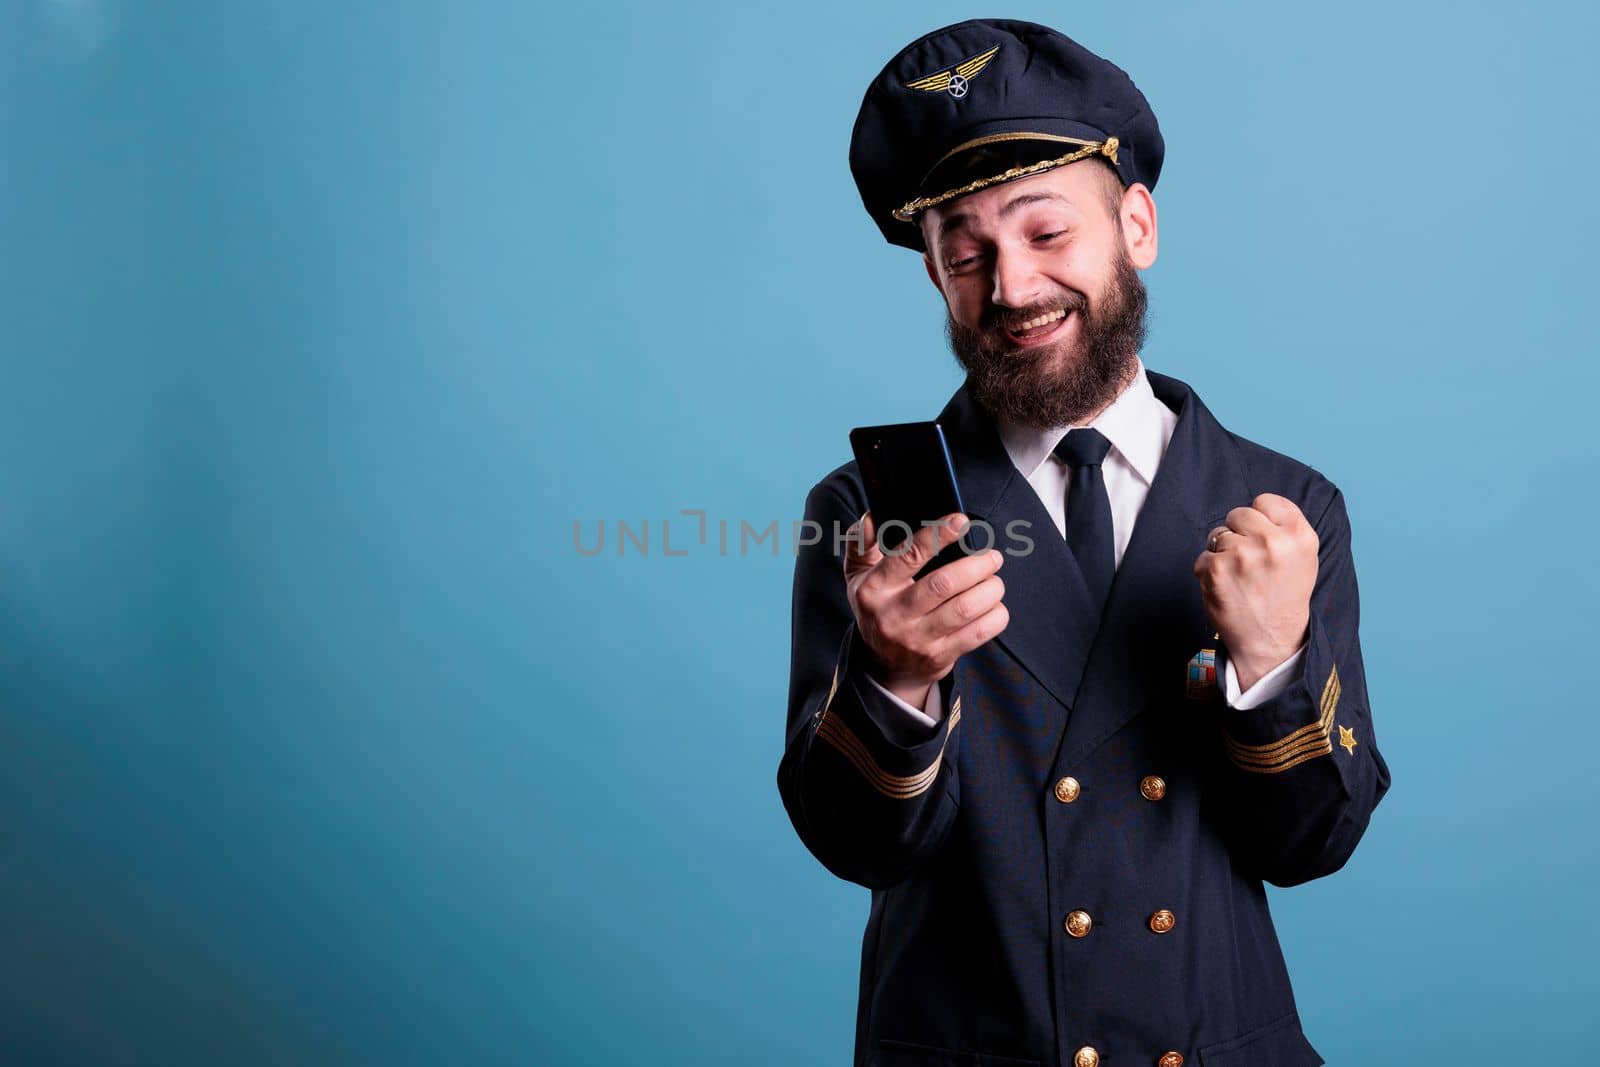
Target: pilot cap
x,y
988,101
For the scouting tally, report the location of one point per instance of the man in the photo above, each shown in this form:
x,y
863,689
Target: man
x,y
1066,787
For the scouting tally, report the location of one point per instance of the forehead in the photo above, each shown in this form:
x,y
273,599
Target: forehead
x,y
1067,188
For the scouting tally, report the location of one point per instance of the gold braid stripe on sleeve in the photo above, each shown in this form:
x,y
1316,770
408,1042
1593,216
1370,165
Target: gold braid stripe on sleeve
x,y
1305,743
901,787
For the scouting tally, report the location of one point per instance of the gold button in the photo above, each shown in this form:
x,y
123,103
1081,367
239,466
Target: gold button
x,y
1087,1056
1152,787
1162,921
1067,790
1170,1059
1078,924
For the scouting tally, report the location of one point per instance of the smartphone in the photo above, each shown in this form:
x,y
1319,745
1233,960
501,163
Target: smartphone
x,y
910,480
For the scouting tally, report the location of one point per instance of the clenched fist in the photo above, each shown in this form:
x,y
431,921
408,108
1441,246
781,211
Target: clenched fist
x,y
917,627
1256,576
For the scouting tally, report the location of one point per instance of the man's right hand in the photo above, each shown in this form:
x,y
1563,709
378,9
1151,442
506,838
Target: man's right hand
x,y
917,627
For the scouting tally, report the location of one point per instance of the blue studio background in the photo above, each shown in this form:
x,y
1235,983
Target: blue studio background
x,y
322,325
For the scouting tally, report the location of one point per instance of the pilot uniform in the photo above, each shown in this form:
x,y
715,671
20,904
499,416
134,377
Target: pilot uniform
x,y
1066,848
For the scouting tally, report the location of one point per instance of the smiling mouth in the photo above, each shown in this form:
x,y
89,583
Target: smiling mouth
x,y
1040,328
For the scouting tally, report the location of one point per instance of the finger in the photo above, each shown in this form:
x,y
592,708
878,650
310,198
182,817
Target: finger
x,y
1219,538
953,579
1280,509
970,604
979,631
901,563
1247,520
1208,568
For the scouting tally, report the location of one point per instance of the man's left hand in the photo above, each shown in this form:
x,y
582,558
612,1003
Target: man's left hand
x,y
1256,575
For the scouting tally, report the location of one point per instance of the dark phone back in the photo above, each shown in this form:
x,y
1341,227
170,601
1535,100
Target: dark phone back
x,y
909,479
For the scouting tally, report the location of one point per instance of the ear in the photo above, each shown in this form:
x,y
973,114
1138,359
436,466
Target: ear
x,y
1139,225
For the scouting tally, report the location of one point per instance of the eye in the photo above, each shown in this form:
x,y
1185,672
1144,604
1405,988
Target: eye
x,y
958,264
1049,236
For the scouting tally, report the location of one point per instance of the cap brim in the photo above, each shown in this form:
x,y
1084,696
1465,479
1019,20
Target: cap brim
x,y
1001,155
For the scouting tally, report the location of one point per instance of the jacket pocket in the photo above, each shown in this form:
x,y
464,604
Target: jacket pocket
x,y
891,1053
1279,1043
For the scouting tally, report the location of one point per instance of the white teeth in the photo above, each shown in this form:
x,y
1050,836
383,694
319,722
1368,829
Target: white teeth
x,y
1042,320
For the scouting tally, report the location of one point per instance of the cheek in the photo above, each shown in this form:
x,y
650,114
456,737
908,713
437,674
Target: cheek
x,y
966,302
1067,267
1090,269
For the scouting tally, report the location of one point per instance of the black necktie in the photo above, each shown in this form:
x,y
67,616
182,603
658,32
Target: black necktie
x,y
1089,509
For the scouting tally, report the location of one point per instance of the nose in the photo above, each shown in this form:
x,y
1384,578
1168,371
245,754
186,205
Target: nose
x,y
1016,283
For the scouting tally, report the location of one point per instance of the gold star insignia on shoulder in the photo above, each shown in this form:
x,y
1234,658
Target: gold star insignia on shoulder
x,y
1347,738
954,80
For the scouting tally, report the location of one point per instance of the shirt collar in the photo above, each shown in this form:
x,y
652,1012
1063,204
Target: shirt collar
x,y
1132,423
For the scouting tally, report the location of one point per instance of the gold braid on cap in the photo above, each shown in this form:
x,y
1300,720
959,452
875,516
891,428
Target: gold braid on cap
x,y
1107,148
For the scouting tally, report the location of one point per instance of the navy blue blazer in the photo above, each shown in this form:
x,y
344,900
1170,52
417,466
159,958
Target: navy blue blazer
x,y
1068,870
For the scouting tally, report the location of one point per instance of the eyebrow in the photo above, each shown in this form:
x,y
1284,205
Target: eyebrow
x,y
953,222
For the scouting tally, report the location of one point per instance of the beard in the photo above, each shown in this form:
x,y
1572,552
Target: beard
x,y
1066,381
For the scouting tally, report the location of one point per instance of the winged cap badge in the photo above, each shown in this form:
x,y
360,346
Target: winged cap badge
x,y
954,79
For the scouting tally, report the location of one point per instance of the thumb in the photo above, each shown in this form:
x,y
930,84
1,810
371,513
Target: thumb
x,y
861,551
911,554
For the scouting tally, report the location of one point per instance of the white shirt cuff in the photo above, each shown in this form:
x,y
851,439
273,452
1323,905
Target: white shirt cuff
x,y
932,711
1267,686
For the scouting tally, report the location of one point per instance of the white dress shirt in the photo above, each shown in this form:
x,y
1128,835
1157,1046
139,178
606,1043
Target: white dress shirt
x,y
1139,427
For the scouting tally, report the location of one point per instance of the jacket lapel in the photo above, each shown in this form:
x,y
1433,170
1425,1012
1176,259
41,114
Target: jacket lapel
x,y
1050,630
1155,618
